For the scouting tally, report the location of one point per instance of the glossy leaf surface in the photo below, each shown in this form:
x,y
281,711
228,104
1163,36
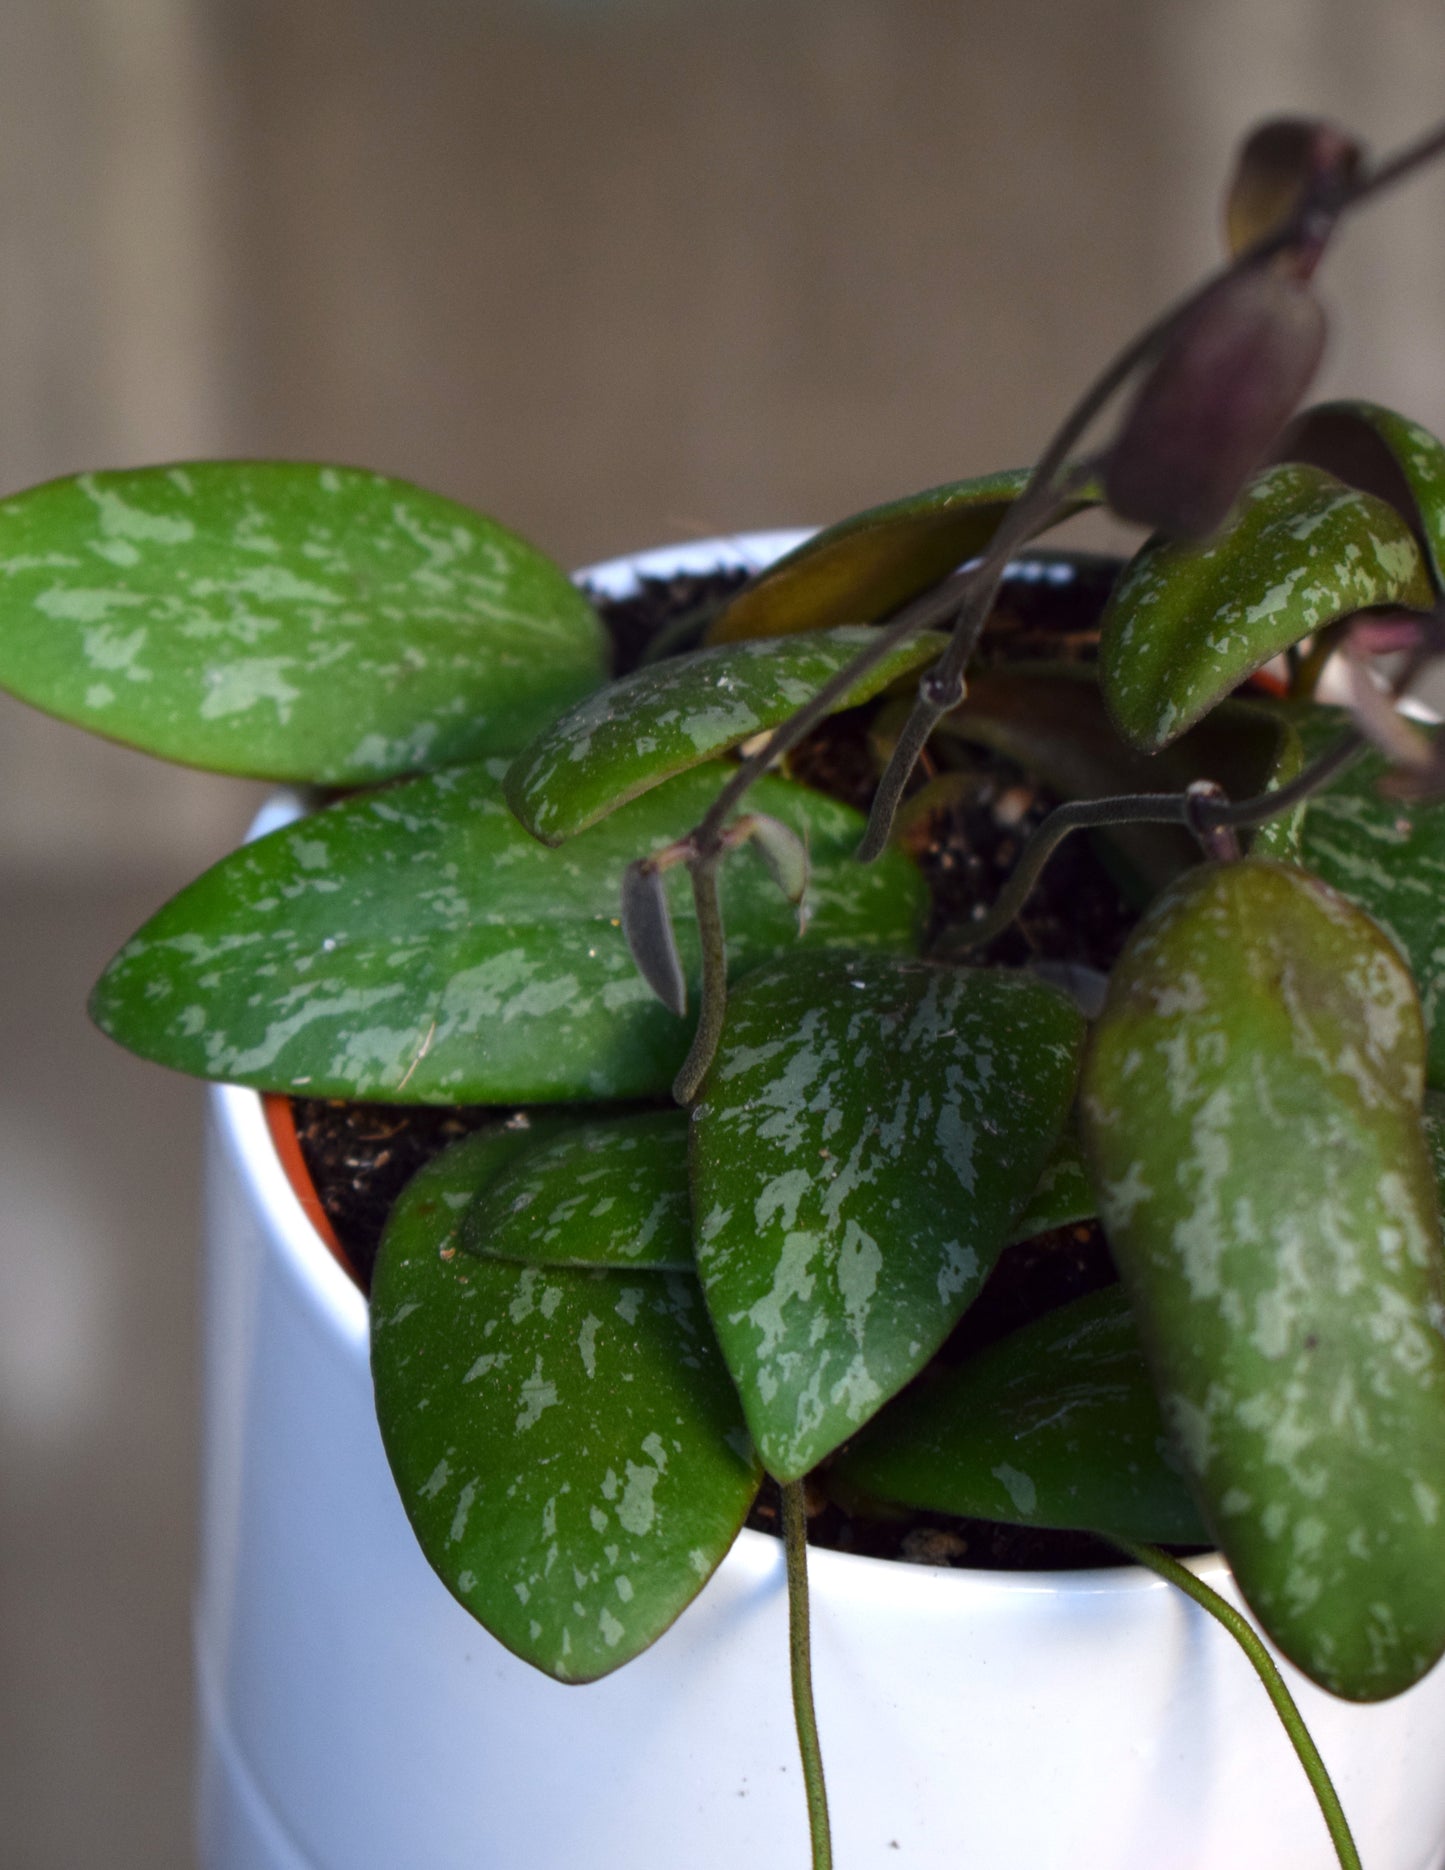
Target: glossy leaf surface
x,y
1373,448
1064,1194
286,620
867,1137
671,715
566,1442
416,945
1187,624
608,1192
865,567
1435,1137
1055,1425
1387,855
1251,1106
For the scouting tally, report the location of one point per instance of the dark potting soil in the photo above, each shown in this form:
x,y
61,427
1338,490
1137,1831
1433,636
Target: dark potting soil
x,y
361,1156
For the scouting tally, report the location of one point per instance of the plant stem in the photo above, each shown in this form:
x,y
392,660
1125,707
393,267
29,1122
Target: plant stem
x,y
1266,805
1274,1685
795,1547
713,999
1146,808
1395,168
1201,813
942,688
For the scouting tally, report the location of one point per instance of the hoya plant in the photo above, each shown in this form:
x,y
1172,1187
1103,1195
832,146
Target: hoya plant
x,y
765,1116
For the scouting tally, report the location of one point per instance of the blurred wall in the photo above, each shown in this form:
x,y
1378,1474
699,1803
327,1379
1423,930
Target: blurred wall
x,y
627,271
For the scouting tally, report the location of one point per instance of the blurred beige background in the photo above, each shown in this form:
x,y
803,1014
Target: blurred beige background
x,y
620,273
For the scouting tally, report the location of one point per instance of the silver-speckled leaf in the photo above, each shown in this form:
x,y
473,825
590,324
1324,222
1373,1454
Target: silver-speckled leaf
x,y
671,715
566,1443
1384,453
1251,1108
1387,855
1187,624
1055,1425
286,620
1435,1137
611,1191
866,566
1064,1195
868,1135
416,945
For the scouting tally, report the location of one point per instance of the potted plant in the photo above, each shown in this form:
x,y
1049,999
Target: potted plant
x,y
688,1250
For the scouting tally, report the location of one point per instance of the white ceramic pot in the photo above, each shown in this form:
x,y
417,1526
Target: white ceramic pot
x,y
353,1717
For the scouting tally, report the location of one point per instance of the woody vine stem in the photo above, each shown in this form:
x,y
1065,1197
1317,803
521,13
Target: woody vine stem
x,y
966,596
1265,1668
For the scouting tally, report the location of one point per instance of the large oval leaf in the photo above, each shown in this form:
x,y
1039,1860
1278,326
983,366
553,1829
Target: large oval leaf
x,y
415,945
1371,447
1187,624
1252,1109
566,1443
671,715
608,1192
867,1136
1055,1425
1387,855
286,620
866,566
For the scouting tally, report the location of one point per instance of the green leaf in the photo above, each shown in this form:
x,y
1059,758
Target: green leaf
x,y
1055,1425
669,716
1373,448
1435,1137
566,1443
1280,837
1251,1107
415,945
286,620
1187,624
1387,855
867,566
1064,1195
868,1135
612,1192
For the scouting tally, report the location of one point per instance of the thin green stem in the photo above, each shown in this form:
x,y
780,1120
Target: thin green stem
x,y
1424,149
1150,808
1341,754
795,1547
1266,1669
1195,809
1039,507
713,999
933,607
942,688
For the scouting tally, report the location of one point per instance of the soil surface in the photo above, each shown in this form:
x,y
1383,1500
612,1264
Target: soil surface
x,y
361,1156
